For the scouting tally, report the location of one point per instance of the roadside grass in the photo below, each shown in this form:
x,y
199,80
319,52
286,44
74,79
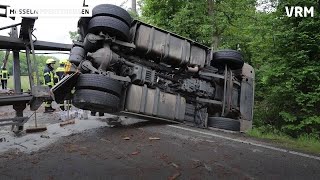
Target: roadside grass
x,y
305,143
24,83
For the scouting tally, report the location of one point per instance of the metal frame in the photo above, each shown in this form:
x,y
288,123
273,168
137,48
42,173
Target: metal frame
x,y
19,44
18,99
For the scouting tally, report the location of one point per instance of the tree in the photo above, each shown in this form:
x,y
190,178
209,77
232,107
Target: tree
x,y
284,51
205,21
134,6
292,77
41,61
160,12
73,35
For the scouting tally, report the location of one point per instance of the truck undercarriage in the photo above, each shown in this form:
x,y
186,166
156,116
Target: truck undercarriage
x,y
130,67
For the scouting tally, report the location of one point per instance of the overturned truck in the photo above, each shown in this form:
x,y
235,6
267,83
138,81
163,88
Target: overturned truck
x,y
132,68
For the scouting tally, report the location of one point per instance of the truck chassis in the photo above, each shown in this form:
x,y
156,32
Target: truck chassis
x,y
130,67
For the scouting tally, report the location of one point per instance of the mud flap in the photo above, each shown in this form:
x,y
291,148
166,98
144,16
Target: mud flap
x,y
63,88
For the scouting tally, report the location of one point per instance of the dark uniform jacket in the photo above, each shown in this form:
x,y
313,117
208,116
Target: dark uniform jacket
x,y
49,78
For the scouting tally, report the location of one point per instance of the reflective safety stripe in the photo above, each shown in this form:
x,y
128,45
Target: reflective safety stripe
x,y
48,104
49,84
60,69
51,74
4,75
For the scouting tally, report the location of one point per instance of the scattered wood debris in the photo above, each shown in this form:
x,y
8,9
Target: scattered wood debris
x,y
175,165
196,164
36,129
45,136
105,140
135,153
174,176
154,138
64,123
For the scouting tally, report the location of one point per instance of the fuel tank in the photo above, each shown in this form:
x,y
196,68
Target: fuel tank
x,y
153,102
167,47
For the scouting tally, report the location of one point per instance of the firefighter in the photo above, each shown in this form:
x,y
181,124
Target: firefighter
x,y
49,80
4,77
60,72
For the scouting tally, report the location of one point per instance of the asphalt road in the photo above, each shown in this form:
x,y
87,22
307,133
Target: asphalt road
x,y
176,152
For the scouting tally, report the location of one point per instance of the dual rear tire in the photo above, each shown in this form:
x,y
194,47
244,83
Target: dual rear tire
x,y
97,93
109,19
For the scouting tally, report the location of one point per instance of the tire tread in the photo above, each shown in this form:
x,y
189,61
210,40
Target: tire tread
x,y
232,58
110,25
99,82
96,101
224,123
112,11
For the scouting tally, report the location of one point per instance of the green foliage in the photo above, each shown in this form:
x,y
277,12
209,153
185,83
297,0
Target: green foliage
x,y
160,12
74,35
200,20
24,83
133,14
192,21
40,61
304,142
285,52
290,77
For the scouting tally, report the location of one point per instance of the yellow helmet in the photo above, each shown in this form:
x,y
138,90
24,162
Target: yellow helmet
x,y
63,61
50,61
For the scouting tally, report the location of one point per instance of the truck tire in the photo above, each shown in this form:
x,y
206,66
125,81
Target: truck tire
x,y
110,25
99,82
96,101
232,58
113,11
224,123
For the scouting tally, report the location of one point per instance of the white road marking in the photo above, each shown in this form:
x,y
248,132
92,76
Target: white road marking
x,y
248,142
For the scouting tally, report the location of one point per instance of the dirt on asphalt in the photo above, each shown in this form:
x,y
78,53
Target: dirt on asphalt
x,y
90,149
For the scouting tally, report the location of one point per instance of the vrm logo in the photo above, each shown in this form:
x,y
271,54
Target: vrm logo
x,y
299,11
